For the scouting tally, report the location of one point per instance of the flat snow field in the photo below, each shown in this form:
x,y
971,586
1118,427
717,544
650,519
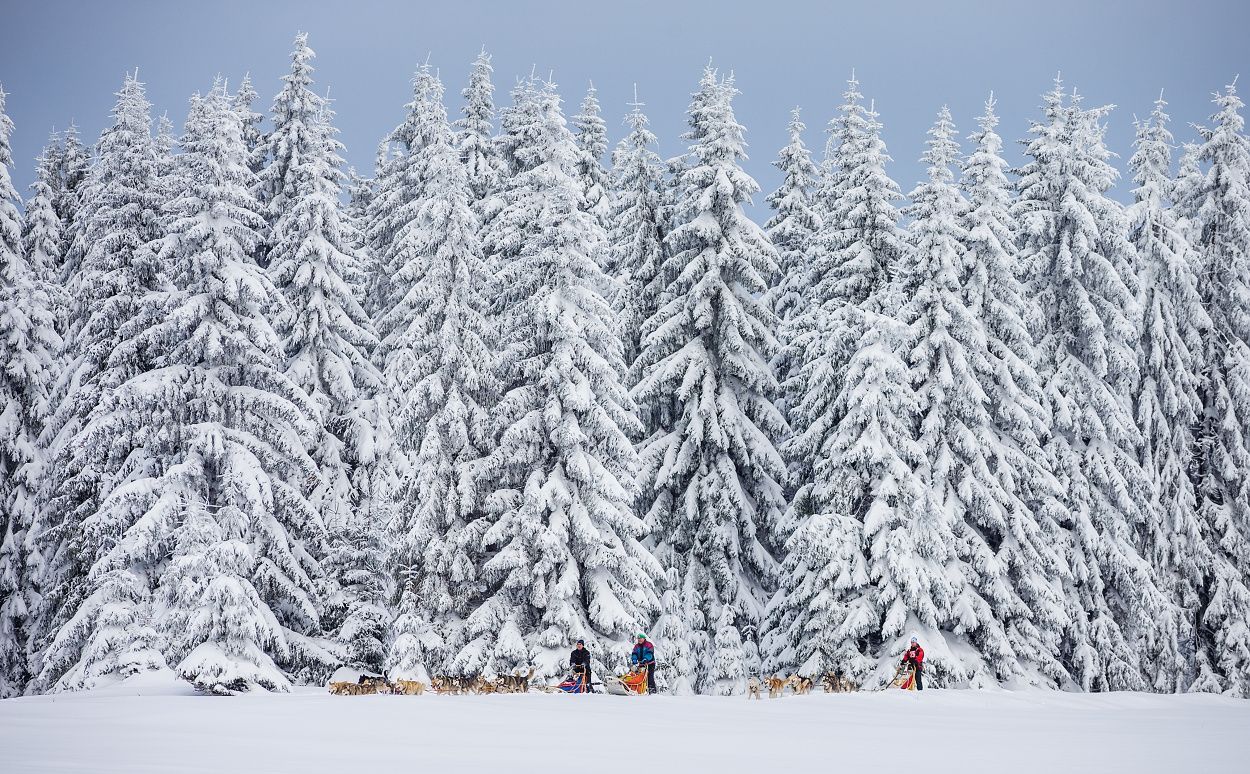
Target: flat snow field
x,y
159,726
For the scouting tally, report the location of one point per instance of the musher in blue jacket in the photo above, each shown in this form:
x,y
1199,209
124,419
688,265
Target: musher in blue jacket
x,y
644,656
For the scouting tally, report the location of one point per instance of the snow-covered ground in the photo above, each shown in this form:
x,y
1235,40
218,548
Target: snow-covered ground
x,y
158,726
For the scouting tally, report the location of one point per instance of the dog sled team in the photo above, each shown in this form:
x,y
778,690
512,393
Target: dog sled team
x,y
639,680
908,676
446,686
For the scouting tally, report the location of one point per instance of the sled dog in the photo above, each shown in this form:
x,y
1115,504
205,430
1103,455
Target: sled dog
x,y
836,683
408,687
777,686
516,683
800,685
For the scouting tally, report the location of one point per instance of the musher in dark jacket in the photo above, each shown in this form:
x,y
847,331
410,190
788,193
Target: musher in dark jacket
x,y
579,662
644,656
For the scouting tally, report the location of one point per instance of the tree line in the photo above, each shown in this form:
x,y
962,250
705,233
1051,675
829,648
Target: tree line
x,y
261,417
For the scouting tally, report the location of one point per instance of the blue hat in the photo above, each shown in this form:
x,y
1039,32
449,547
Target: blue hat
x,y
581,642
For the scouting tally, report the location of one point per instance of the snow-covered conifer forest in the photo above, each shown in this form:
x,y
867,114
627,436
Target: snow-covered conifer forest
x,y
526,381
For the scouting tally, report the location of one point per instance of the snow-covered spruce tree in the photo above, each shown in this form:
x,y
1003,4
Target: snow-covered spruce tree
x,y
712,478
1186,188
41,207
358,553
659,413
946,348
224,519
297,131
567,558
359,194
1075,242
853,252
73,165
446,385
592,141
28,345
164,138
91,440
505,226
1223,486
857,246
1167,403
357,560
634,229
254,140
215,615
792,229
866,569
475,128
165,141
325,334
43,240
1027,536
398,191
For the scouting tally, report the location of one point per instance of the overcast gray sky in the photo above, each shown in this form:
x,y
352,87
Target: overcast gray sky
x,y
63,60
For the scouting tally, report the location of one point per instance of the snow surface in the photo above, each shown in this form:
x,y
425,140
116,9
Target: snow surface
x,y
156,724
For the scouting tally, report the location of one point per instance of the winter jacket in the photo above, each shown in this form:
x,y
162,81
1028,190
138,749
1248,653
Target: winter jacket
x,y
914,654
644,653
579,657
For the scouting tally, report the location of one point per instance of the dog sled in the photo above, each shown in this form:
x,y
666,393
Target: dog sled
x,y
632,683
904,678
574,683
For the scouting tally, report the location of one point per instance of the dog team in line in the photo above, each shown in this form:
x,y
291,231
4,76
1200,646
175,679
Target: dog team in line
x,y
642,658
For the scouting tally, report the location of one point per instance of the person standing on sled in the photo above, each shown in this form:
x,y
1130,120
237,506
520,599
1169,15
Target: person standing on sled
x,y
644,656
579,663
914,655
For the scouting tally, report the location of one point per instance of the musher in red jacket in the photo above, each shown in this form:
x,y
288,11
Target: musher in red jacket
x,y
915,656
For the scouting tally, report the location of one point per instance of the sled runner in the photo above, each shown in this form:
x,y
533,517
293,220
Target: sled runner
x,y
632,683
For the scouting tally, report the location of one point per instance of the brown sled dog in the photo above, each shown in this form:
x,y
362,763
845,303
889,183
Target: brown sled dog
x,y
370,685
344,689
776,686
800,685
408,687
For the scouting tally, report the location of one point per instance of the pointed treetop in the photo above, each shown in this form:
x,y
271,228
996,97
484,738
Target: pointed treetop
x,y
942,149
302,51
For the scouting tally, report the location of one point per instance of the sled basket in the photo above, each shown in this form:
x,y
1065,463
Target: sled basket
x,y
628,684
573,684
